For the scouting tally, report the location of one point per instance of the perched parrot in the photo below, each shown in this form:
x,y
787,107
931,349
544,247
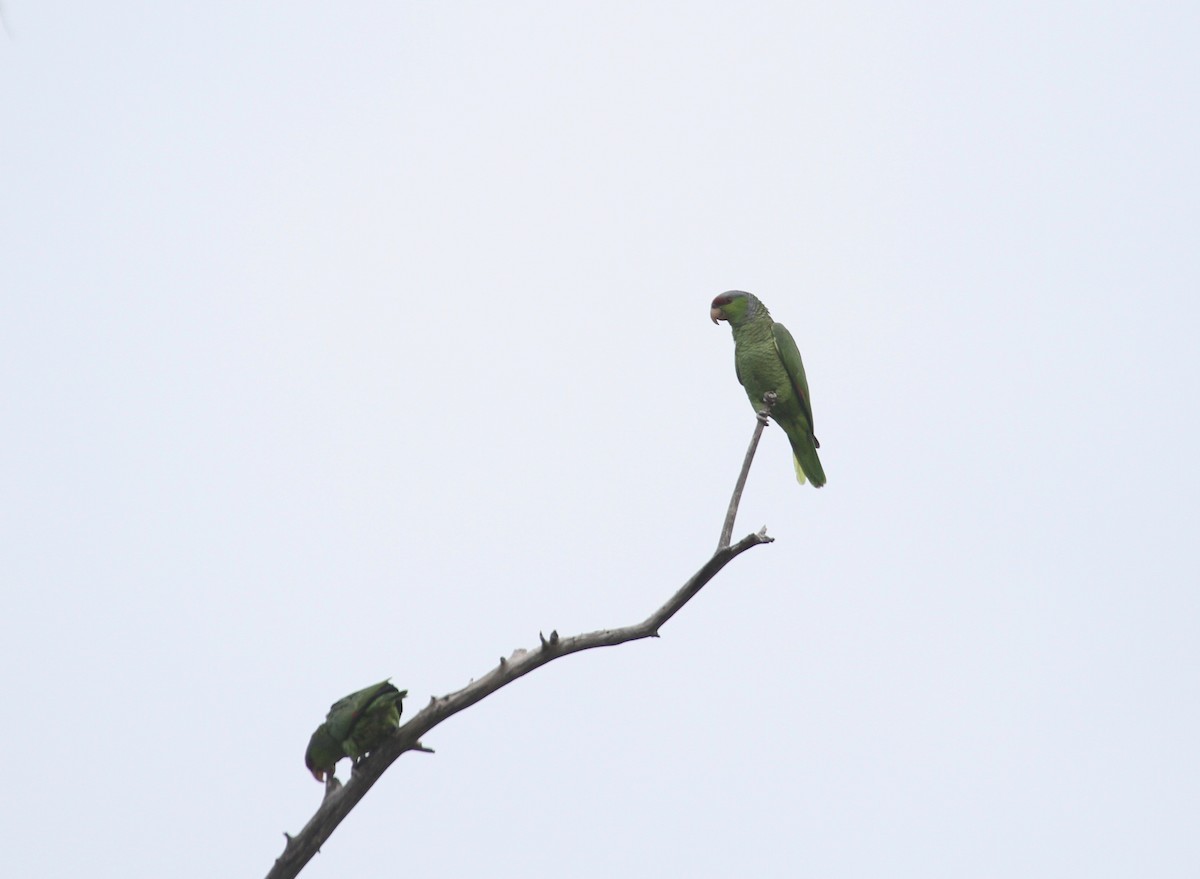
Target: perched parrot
x,y
355,725
767,359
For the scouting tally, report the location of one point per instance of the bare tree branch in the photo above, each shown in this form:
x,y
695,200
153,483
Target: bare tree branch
x,y
769,399
340,799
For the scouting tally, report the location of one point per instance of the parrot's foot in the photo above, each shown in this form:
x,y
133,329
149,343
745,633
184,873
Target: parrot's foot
x,y
769,399
764,416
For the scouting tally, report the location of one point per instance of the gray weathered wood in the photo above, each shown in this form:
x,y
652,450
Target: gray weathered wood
x,y
340,799
301,847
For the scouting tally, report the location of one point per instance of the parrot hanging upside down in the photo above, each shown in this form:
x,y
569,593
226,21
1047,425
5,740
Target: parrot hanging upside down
x,y
355,725
767,360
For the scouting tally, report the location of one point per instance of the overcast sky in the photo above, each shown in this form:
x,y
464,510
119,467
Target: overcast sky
x,y
340,342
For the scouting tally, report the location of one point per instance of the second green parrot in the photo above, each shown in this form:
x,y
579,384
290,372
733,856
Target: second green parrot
x,y
767,359
355,725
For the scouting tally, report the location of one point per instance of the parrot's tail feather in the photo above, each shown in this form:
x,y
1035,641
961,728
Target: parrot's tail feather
x,y
809,465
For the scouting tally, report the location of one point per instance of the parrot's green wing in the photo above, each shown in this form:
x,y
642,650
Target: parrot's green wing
x,y
377,723
346,712
789,355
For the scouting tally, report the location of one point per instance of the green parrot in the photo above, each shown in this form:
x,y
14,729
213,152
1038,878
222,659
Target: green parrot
x,y
767,359
355,725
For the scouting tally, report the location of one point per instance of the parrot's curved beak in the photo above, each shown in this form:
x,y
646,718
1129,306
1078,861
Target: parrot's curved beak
x,y
318,774
716,314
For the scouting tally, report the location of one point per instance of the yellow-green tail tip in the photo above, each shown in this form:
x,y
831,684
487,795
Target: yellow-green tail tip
x,y
817,476
799,470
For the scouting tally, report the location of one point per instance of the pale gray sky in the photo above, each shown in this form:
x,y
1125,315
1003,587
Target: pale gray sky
x,y
346,342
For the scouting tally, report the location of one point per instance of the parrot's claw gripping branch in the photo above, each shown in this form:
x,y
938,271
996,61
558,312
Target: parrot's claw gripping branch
x,y
769,400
